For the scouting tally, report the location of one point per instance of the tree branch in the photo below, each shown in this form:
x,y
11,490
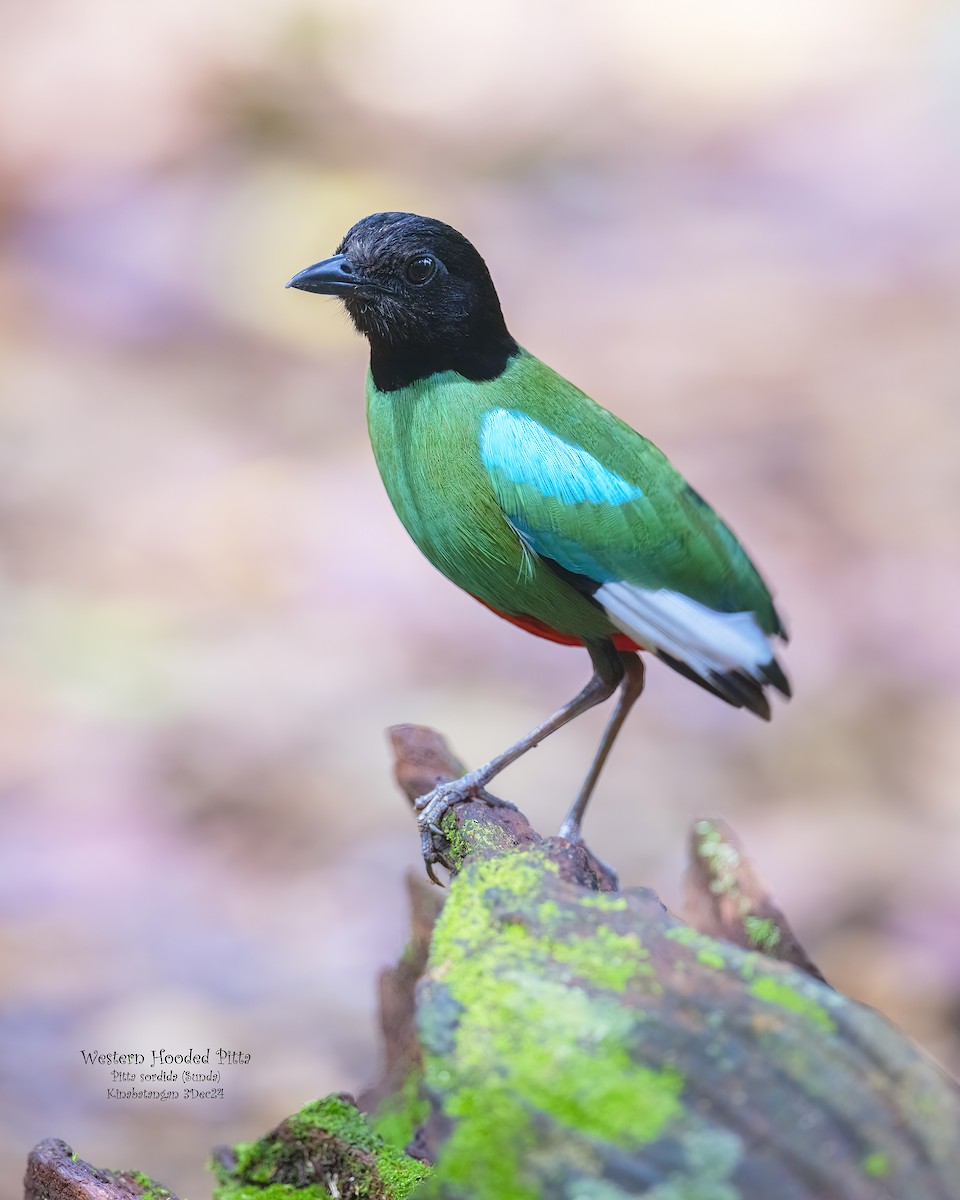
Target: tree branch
x,y
547,1034
724,897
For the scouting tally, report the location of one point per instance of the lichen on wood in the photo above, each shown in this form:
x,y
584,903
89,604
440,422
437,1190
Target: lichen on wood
x,y
724,896
580,1043
549,1035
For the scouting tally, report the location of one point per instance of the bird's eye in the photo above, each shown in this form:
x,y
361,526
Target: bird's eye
x,y
421,269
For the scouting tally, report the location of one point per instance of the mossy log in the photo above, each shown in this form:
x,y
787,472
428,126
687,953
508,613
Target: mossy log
x,y
548,1035
56,1172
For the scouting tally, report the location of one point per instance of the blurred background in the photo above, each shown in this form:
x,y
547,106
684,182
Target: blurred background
x,y
734,225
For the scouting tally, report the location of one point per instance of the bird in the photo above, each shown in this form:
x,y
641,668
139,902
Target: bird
x,y
541,504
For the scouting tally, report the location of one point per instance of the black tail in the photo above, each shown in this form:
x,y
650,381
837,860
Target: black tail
x,y
737,687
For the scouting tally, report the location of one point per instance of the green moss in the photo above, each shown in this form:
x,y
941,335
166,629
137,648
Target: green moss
x,y
722,861
684,935
401,1176
472,838
605,901
776,991
593,1090
465,923
604,958
607,959
490,1142
509,1043
710,953
722,858
328,1136
276,1191
400,1115
456,842
149,1189
762,933
257,1162
622,1103
876,1164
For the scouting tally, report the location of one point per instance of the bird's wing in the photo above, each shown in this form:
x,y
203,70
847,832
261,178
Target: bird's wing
x,y
607,511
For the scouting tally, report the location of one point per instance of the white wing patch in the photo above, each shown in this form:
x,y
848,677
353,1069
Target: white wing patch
x,y
703,638
527,452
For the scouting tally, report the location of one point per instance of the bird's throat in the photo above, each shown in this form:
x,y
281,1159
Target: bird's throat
x,y
398,364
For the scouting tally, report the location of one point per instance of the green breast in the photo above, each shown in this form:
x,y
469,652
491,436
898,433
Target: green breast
x,y
426,442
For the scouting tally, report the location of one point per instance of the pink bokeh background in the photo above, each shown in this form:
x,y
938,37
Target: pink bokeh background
x,y
733,225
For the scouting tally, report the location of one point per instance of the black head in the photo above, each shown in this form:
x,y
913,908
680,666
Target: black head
x,y
421,295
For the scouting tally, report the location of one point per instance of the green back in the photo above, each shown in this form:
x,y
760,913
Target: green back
x,y
485,508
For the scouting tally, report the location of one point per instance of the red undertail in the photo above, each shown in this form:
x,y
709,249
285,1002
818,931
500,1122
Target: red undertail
x,y
532,625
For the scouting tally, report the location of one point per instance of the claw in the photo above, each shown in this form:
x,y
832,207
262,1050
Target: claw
x,y
431,856
431,809
433,806
428,861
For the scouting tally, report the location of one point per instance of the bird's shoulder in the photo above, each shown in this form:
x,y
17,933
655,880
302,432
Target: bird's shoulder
x,y
536,420
597,496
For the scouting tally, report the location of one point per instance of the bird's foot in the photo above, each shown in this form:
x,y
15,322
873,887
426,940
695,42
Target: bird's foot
x,y
431,810
433,807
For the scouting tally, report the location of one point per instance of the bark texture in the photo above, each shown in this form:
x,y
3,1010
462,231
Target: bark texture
x,y
548,1035
583,1042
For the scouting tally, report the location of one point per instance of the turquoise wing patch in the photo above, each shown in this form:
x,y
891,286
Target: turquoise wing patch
x,y
638,522
522,451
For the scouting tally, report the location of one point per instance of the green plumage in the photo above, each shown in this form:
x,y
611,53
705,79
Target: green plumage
x,y
468,518
536,500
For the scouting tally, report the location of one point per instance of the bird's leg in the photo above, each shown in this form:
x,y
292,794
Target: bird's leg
x,y
608,671
630,689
